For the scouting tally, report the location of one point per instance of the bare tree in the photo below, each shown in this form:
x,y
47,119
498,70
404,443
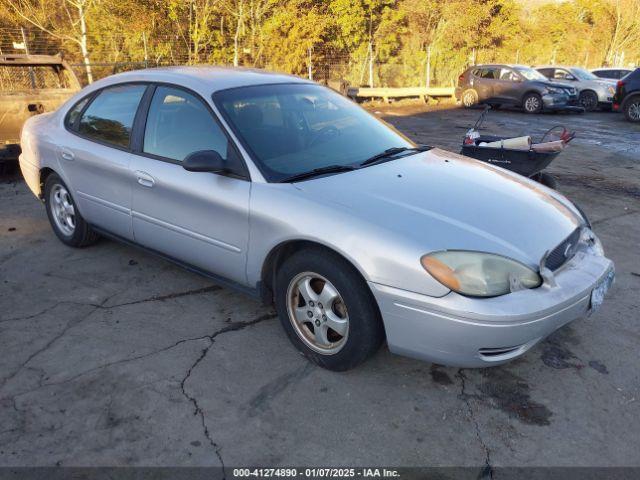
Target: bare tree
x,y
68,23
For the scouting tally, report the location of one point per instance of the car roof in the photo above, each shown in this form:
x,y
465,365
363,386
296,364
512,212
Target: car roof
x,y
203,79
606,69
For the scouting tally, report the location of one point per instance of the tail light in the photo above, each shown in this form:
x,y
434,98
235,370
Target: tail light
x,y
620,83
461,79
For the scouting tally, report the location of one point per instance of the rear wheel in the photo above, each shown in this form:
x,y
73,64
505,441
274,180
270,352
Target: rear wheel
x,y
588,100
632,109
327,310
65,219
469,98
532,103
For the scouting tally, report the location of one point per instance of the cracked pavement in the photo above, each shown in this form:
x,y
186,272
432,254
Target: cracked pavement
x,y
113,357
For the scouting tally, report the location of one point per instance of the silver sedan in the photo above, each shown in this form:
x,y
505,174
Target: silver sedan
x,y
290,192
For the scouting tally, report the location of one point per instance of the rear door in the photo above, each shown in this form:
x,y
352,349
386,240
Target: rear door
x,y
199,218
486,82
96,158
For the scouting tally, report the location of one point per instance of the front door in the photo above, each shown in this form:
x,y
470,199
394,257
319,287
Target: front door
x,y
199,218
506,88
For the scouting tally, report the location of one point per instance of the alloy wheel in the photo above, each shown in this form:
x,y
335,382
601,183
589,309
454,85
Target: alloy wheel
x,y
317,313
589,101
469,99
64,213
634,111
532,104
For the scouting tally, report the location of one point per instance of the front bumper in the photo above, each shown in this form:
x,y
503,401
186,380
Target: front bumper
x,y
465,332
553,101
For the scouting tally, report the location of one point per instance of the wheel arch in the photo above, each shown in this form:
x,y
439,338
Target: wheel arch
x,y
45,172
283,250
529,92
630,97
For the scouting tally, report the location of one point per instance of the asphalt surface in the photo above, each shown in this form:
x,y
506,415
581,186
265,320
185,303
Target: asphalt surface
x,y
110,356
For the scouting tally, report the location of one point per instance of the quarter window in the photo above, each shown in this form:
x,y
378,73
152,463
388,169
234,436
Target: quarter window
x,y
178,124
73,114
109,118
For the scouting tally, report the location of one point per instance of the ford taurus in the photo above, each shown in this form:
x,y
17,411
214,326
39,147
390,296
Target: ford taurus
x,y
285,189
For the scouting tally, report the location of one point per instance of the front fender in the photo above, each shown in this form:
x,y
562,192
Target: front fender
x,y
281,213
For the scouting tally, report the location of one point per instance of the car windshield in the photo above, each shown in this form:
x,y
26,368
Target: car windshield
x,y
291,129
583,74
531,74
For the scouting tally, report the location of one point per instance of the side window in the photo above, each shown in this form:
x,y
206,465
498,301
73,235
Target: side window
x,y
547,72
178,124
562,75
508,75
109,118
490,73
73,114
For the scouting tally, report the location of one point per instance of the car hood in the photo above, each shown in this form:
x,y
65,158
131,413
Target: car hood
x,y
600,83
557,85
442,200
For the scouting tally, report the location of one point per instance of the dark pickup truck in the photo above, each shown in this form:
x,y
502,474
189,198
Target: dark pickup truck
x,y
29,85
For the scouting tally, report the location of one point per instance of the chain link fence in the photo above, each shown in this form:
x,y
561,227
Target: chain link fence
x,y
109,55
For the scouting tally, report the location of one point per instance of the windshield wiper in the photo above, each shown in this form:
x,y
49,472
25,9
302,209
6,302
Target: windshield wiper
x,y
318,171
389,153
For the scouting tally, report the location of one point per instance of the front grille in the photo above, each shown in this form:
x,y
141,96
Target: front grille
x,y
563,252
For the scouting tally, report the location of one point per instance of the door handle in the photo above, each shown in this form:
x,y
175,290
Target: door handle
x,y
145,179
66,154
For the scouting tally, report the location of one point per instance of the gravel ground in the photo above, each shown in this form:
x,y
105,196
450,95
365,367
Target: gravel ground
x,y
113,357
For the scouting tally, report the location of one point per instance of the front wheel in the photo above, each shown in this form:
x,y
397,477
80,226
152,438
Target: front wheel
x,y
632,109
327,310
64,217
532,103
588,100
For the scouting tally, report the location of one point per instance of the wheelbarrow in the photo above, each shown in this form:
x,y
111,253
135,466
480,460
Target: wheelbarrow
x,y
527,160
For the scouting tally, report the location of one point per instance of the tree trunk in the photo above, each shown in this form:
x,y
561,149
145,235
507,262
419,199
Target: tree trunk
x,y
83,42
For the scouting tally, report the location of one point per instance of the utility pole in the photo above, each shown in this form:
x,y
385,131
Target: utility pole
x,y
428,68
371,64
146,56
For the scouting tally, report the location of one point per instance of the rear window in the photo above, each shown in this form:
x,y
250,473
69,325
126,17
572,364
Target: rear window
x,y
109,117
14,78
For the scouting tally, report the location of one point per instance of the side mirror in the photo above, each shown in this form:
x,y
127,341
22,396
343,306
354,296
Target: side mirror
x,y
204,161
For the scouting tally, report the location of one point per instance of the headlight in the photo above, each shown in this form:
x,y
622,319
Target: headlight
x,y
553,90
479,274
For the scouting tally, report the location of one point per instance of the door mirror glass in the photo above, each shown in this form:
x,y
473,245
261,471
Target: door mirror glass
x,y
204,161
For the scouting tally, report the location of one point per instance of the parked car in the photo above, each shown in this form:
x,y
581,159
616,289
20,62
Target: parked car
x,y
287,190
627,98
593,92
29,85
611,73
514,85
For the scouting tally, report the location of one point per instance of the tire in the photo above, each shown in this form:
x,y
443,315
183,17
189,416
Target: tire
x,y
588,100
469,98
303,282
532,103
632,109
546,179
64,217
